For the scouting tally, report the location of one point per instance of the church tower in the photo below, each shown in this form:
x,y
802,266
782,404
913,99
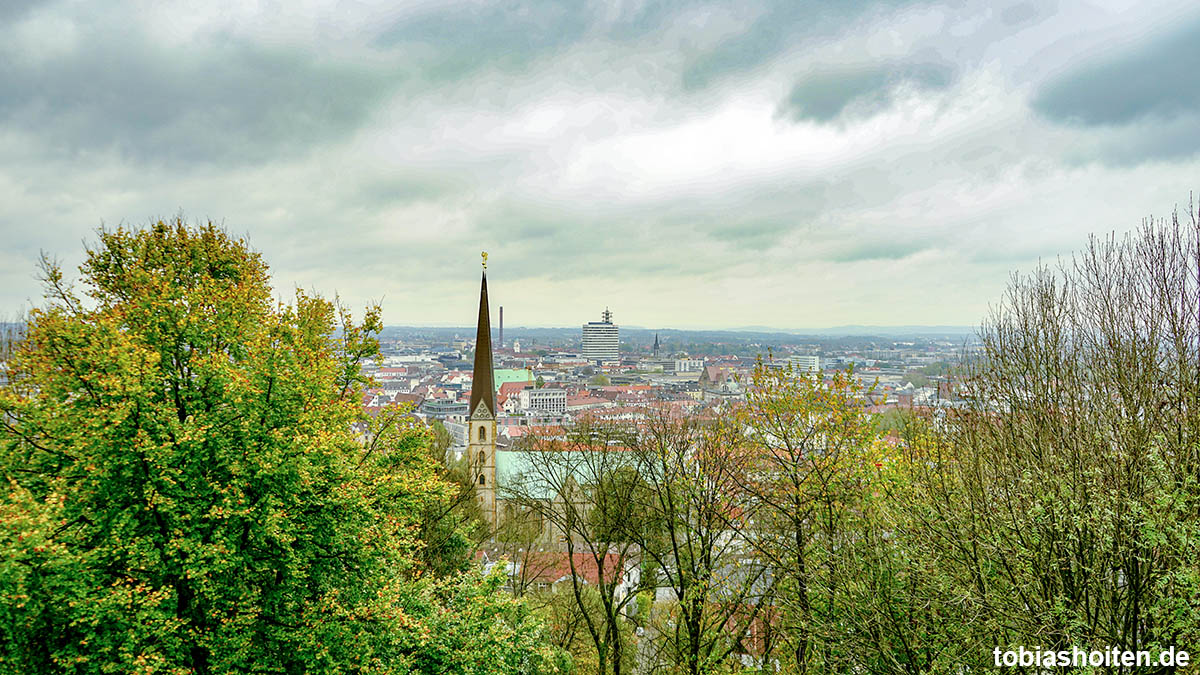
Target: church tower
x,y
481,443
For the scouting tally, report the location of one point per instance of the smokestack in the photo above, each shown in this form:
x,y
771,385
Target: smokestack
x,y
501,336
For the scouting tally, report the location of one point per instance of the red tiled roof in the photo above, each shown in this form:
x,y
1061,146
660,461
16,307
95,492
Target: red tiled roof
x,y
584,400
551,567
510,389
518,431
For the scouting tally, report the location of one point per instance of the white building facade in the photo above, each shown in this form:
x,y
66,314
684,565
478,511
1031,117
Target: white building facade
x,y
601,339
547,399
805,363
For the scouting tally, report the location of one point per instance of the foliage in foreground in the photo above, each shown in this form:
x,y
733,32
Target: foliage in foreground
x,y
189,486
1055,505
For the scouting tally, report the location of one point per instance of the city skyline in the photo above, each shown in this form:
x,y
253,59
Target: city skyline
x,y
769,164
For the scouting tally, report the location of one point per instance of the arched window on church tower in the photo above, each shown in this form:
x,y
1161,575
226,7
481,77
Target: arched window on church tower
x,y
482,434
481,458
482,480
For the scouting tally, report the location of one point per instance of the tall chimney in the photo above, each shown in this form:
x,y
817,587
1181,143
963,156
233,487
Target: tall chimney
x,y
501,336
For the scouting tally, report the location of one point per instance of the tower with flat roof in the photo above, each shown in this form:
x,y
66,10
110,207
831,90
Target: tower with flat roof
x,y
601,340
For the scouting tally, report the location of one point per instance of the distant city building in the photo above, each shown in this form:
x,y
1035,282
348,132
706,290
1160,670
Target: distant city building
x,y
689,365
719,384
502,376
806,363
442,409
600,339
546,399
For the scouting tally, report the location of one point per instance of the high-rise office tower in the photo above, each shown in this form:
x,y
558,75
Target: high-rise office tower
x,y
601,341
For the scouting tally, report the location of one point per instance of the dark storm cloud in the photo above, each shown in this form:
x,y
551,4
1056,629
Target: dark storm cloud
x,y
1159,79
859,92
233,102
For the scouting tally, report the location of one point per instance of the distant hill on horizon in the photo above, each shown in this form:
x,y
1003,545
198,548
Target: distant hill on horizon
x,y
741,334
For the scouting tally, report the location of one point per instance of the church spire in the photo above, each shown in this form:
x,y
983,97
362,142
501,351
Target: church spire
x,y
483,388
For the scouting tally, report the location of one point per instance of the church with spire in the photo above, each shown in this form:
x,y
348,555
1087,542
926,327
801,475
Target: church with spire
x,y
481,423
488,462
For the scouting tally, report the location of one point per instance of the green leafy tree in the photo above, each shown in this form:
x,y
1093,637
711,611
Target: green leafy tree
x,y
451,528
808,450
191,486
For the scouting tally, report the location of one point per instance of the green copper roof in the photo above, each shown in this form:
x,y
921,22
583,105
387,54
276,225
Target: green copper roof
x,y
506,375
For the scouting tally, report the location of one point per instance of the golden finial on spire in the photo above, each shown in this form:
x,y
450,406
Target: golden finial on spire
x,y
484,254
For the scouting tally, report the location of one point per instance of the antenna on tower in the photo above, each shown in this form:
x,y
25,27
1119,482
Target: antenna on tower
x,y
607,316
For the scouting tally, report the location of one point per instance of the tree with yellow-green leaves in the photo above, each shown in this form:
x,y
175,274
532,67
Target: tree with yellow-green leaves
x,y
809,452
187,488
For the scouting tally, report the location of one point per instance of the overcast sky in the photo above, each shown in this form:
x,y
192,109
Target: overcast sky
x,y
787,164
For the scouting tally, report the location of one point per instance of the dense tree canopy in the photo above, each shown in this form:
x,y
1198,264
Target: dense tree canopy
x,y
191,487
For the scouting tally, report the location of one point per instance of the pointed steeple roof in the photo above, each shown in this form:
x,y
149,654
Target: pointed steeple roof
x,y
483,387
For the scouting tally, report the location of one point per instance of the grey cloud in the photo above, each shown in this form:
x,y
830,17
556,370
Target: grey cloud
x,y
1160,79
383,187
1018,14
403,210
450,43
571,242
876,249
10,10
782,26
860,92
232,102
1174,139
754,234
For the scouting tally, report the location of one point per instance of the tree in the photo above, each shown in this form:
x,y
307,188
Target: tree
x,y
599,381
451,529
440,443
191,485
688,509
809,450
1061,504
573,487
